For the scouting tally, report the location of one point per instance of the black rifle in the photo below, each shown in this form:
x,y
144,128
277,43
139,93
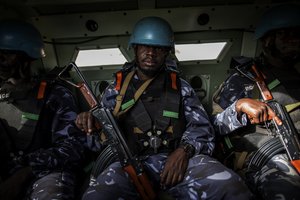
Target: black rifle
x,y
131,164
286,132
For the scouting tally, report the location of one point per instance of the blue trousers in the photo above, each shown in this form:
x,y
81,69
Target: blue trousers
x,y
205,178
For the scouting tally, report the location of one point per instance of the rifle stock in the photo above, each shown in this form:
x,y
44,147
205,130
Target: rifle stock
x,y
286,131
130,164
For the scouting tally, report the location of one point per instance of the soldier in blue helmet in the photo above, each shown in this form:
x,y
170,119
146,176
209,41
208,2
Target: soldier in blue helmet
x,y
243,117
41,148
167,127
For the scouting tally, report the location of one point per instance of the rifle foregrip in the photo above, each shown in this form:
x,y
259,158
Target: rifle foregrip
x,y
296,164
87,95
141,183
147,185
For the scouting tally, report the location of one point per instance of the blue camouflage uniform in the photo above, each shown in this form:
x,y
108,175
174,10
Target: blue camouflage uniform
x,y
55,152
205,177
277,179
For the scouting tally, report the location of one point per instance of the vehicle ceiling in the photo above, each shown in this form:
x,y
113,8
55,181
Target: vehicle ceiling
x,y
36,8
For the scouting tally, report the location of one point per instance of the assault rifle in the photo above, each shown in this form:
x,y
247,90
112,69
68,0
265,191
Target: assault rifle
x,y
130,163
286,132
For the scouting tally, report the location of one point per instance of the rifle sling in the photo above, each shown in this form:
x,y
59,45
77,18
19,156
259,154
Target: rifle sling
x,y
137,94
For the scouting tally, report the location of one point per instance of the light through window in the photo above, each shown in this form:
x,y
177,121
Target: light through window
x,y
100,57
202,51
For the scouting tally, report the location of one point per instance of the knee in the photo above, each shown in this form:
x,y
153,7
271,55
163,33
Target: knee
x,y
53,185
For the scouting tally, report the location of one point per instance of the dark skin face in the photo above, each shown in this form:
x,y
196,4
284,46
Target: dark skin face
x,y
8,63
14,66
282,47
150,60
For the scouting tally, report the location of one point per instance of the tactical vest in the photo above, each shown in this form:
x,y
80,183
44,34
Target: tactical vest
x,y
19,117
155,121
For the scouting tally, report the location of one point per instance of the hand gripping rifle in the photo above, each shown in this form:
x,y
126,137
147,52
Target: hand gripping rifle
x,y
130,164
289,137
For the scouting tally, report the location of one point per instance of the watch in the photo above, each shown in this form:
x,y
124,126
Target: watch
x,y
188,148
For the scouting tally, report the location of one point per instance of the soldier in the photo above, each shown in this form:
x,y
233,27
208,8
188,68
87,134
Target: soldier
x,y
279,34
167,127
41,148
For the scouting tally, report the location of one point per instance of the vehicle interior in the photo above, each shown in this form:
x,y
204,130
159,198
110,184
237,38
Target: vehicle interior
x,y
95,33
73,29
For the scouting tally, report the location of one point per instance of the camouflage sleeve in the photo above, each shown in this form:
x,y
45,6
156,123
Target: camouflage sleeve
x,y
199,131
109,97
227,121
67,148
234,88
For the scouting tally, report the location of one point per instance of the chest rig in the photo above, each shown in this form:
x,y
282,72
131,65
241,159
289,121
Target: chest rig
x,y
154,119
19,116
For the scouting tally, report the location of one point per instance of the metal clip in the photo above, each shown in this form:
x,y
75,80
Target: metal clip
x,y
155,143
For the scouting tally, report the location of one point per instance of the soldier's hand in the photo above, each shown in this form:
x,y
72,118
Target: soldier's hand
x,y
85,122
175,168
256,111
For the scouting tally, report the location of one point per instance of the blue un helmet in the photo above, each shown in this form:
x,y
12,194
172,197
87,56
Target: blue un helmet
x,y
282,16
21,36
153,31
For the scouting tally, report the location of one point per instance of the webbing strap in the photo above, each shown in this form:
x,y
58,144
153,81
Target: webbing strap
x,y
170,103
240,158
173,80
228,142
137,130
42,90
273,84
31,116
137,95
119,98
292,106
118,80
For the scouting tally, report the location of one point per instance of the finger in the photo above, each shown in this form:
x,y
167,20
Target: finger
x,y
78,123
252,119
260,113
272,115
85,122
169,178
277,120
163,177
175,178
263,114
180,177
90,123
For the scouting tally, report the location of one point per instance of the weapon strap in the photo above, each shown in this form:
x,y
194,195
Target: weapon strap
x,y
170,108
119,99
292,106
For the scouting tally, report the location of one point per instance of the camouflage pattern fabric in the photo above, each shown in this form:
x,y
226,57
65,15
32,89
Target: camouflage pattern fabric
x,y
56,185
277,179
205,177
61,149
